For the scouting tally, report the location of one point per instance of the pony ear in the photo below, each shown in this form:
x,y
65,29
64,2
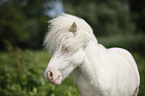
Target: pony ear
x,y
73,28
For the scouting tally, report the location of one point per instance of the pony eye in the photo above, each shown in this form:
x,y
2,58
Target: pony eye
x,y
67,49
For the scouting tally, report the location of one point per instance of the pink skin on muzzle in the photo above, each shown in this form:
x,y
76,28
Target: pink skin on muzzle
x,y
53,77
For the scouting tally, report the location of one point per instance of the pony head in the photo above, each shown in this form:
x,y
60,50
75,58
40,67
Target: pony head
x,y
67,38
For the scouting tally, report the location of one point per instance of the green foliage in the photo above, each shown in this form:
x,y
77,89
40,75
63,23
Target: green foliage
x,y
137,14
134,43
106,17
23,23
140,62
11,20
22,74
36,30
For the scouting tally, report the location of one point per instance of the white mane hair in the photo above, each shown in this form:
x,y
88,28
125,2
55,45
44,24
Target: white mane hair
x,y
59,32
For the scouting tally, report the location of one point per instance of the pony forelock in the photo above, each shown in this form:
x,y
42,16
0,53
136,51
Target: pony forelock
x,y
59,34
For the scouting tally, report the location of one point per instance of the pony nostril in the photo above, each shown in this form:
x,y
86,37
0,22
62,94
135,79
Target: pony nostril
x,y
50,75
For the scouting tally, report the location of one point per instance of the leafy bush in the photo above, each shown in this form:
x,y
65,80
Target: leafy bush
x,y
129,42
21,74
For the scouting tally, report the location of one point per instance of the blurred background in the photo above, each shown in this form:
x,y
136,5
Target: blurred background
x,y
24,23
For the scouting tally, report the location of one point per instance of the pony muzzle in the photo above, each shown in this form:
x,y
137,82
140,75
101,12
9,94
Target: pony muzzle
x,y
53,77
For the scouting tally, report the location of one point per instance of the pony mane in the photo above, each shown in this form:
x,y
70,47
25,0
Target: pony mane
x,y
59,32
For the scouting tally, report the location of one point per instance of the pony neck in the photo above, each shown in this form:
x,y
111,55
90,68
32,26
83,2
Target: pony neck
x,y
90,67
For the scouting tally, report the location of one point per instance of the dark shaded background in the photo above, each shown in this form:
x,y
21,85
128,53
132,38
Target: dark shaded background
x,y
24,22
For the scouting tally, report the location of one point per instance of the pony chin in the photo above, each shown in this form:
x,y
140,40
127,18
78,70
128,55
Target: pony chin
x,y
57,81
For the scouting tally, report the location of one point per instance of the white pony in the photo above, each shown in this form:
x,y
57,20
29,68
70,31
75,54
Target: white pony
x,y
98,71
